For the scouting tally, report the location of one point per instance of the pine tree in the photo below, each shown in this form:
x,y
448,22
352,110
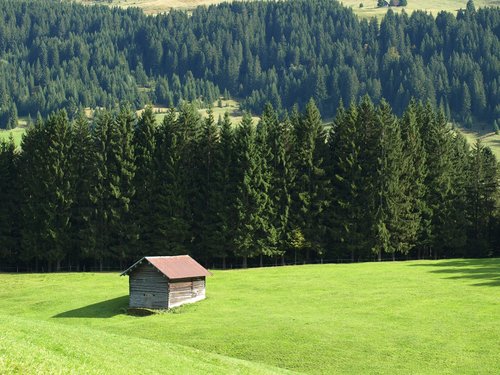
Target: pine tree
x,y
210,214
279,160
249,201
482,190
412,178
171,235
83,166
345,176
9,209
267,233
55,185
101,188
121,168
143,202
228,189
369,160
390,203
310,188
31,170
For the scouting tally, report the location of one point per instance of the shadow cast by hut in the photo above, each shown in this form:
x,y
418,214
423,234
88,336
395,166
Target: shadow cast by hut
x,y
103,309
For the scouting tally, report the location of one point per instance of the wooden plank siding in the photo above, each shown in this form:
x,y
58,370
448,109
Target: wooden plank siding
x,y
186,291
148,288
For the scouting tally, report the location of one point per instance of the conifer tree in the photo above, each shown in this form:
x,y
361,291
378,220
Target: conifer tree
x,y
144,179
101,193
249,201
9,209
31,173
279,161
122,171
345,174
310,183
56,189
211,190
413,177
83,164
171,235
228,187
390,203
482,195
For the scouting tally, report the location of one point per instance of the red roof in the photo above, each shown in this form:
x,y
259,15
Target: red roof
x,y
174,267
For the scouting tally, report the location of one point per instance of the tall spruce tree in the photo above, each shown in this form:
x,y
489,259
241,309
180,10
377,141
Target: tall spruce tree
x,y
83,164
56,187
121,168
279,155
249,201
482,194
144,179
310,188
9,209
345,175
171,235
228,212
412,178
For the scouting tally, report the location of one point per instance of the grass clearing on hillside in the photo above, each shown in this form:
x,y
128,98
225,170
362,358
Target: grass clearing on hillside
x,y
428,317
17,134
369,8
489,139
230,106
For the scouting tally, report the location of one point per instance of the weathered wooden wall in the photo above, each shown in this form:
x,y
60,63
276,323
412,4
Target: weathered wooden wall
x,y
148,288
186,291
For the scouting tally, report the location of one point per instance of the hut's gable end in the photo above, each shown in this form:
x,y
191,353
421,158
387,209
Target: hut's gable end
x,y
186,291
148,288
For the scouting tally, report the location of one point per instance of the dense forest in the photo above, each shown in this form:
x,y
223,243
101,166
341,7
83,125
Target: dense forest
x,y
288,189
57,55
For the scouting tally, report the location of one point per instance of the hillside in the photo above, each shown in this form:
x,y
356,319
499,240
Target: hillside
x,y
369,8
438,317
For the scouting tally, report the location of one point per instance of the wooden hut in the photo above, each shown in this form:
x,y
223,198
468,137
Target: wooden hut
x,y
165,282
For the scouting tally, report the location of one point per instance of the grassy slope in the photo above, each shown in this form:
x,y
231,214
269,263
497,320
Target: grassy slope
x,y
370,9
433,6
230,106
489,139
410,317
17,133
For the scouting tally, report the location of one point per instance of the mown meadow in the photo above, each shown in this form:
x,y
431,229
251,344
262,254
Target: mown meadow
x,y
427,317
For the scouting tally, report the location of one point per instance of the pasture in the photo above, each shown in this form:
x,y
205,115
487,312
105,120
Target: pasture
x,y
427,317
16,133
230,106
489,139
369,8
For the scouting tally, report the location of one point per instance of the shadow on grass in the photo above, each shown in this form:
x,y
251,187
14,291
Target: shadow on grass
x,y
103,309
485,271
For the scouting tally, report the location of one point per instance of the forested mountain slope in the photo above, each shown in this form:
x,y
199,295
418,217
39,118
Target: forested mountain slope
x,y
55,55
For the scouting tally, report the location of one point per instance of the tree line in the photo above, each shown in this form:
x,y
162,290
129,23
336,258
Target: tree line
x,y
57,55
370,185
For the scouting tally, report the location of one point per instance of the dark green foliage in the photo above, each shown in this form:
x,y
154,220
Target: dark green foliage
x,y
375,186
9,209
83,164
143,202
258,51
250,201
309,189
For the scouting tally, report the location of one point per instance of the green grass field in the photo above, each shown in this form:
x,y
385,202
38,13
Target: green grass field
x,y
488,138
422,317
230,106
17,134
369,6
432,6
